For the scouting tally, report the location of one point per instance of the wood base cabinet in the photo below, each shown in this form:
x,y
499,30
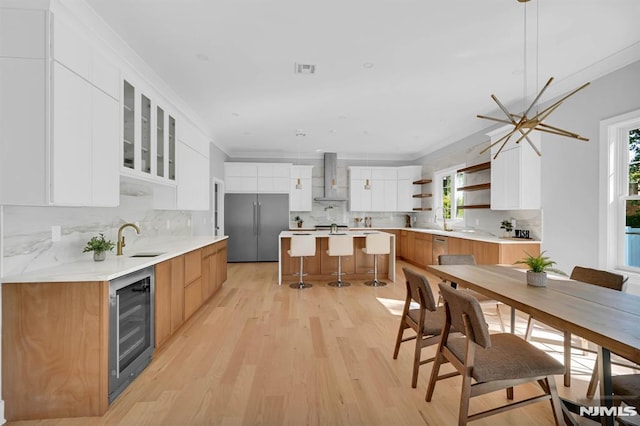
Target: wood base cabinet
x,y
55,342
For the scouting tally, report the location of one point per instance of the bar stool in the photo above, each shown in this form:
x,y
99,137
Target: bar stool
x,y
340,245
376,244
301,246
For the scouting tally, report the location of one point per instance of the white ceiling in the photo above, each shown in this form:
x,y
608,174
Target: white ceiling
x,y
434,65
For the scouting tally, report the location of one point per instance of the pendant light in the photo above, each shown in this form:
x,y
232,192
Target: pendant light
x,y
524,124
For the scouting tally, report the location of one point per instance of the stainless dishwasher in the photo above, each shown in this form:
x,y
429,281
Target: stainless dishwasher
x,y
440,246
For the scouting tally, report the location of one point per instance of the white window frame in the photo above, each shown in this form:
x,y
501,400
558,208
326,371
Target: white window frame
x,y
614,189
438,193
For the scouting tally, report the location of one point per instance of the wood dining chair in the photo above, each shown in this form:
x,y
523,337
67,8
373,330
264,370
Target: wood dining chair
x,y
468,259
426,321
590,276
626,388
487,362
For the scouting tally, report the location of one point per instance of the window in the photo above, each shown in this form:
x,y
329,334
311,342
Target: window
x,y
446,195
621,230
631,210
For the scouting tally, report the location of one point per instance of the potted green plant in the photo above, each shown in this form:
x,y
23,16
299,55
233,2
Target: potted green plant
x,y
299,221
99,246
538,267
507,226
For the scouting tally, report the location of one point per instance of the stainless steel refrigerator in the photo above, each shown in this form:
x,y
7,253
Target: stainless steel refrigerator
x,y
253,223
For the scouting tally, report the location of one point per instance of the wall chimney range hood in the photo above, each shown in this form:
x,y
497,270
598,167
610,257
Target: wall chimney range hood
x,y
330,178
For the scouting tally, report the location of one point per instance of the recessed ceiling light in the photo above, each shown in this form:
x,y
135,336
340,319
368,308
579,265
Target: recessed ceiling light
x,y
202,57
235,114
342,117
367,65
300,133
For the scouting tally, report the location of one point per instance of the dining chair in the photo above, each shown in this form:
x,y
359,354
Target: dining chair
x,y
590,276
468,259
489,362
426,321
626,388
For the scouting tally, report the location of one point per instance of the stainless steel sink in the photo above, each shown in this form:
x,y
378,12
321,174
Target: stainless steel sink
x,y
147,254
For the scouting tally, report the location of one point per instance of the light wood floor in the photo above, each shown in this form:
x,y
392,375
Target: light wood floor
x,y
260,354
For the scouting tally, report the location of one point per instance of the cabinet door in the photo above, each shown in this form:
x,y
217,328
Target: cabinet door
x,y
192,298
221,268
359,197
162,302
193,179
384,195
177,293
24,133
240,177
485,253
105,127
71,153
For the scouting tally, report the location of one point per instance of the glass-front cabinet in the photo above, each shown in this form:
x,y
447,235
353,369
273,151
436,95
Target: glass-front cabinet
x,y
145,125
172,148
160,132
147,153
128,126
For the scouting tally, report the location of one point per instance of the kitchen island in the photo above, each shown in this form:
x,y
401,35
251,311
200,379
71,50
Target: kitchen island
x,y
321,267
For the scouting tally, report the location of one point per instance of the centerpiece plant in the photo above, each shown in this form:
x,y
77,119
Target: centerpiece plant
x,y
538,267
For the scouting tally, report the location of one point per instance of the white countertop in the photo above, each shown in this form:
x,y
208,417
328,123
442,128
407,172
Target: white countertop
x,y
115,266
466,234
324,234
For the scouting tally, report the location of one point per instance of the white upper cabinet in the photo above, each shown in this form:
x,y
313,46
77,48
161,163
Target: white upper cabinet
x,y
382,189
257,177
407,189
149,137
60,131
515,174
301,189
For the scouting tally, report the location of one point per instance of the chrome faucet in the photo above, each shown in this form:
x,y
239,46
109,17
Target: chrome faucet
x,y
444,219
121,243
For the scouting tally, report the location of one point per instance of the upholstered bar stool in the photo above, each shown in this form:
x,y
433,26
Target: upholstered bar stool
x,y
376,244
340,245
301,246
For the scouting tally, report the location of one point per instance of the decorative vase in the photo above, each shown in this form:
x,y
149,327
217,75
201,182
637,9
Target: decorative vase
x,y
99,256
537,279
299,224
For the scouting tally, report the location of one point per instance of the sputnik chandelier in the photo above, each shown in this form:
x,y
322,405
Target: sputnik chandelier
x,y
524,124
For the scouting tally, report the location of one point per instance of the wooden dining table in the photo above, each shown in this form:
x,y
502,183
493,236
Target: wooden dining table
x,y
606,317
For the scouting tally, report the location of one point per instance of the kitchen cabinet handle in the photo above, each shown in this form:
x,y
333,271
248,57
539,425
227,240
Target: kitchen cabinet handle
x,y
255,231
117,336
259,219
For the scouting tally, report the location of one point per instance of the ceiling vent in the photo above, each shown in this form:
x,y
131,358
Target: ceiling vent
x,y
304,68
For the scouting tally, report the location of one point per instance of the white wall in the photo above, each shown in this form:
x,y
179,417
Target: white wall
x,y
570,168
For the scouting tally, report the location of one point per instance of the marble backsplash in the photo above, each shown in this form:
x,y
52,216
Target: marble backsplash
x,y
27,236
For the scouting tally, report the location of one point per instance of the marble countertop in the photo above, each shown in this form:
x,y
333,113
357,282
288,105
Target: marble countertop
x,y
115,266
463,233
